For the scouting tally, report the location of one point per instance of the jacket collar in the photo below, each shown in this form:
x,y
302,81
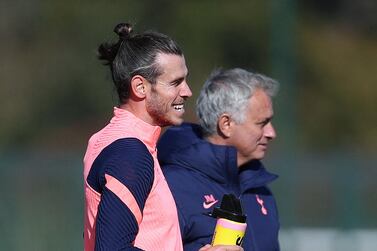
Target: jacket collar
x,y
184,146
253,174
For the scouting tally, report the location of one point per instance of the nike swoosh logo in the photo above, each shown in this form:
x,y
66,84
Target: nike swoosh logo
x,y
206,206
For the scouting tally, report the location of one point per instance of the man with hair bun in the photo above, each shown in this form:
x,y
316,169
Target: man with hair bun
x,y
221,156
128,204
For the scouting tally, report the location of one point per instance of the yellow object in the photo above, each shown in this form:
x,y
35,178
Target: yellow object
x,y
230,233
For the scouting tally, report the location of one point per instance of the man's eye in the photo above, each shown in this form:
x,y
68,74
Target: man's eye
x,y
177,82
263,123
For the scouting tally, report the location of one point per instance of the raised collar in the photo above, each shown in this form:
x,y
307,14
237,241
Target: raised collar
x,y
147,133
253,175
185,146
250,175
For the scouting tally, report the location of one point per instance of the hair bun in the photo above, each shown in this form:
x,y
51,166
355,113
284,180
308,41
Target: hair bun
x,y
123,30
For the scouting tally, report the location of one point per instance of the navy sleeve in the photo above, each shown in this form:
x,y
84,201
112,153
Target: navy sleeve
x,y
129,161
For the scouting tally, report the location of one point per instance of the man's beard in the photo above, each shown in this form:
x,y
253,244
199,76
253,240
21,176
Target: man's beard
x,y
158,112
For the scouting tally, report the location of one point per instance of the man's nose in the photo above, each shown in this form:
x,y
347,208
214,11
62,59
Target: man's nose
x,y
185,90
269,131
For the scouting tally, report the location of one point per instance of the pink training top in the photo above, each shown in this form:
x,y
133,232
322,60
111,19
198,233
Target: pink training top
x,y
158,222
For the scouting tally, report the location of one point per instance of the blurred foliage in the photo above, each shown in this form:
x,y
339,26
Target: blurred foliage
x,y
338,55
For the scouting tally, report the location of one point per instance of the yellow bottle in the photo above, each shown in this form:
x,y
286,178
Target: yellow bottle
x,y
231,222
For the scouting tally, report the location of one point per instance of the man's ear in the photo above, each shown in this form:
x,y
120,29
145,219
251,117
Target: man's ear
x,y
224,125
138,86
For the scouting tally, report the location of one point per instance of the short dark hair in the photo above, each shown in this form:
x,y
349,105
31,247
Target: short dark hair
x,y
135,54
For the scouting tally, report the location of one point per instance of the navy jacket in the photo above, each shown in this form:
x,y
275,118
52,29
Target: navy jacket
x,y
200,173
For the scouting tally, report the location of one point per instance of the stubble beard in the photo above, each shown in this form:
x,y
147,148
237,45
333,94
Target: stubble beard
x,y
158,112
